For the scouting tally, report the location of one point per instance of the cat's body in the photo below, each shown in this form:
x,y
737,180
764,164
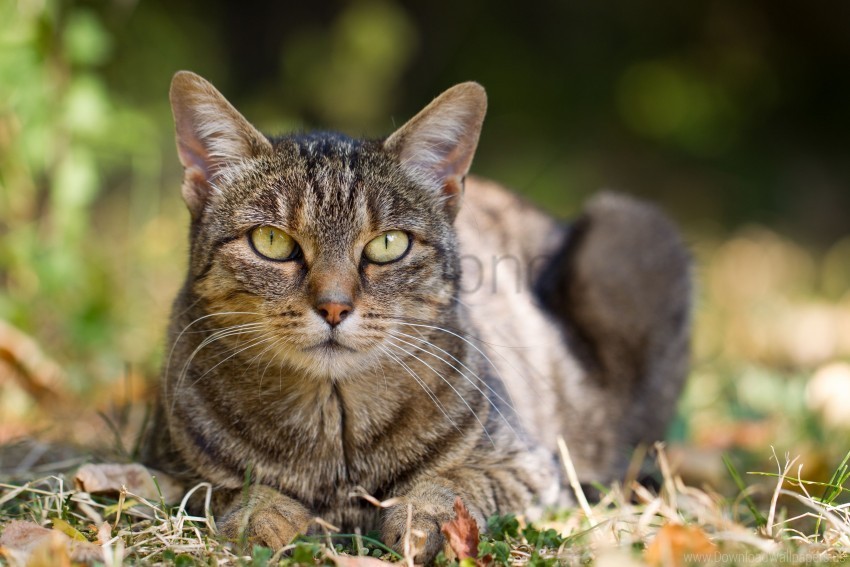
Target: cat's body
x,y
447,368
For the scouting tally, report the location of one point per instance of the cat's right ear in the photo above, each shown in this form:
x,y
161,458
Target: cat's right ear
x,y
211,134
436,146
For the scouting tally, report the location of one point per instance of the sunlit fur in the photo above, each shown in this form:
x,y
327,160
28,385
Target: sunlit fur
x,y
423,392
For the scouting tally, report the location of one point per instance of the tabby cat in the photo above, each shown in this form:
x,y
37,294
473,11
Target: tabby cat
x,y
328,344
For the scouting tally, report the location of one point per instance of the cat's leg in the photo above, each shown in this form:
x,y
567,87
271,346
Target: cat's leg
x,y
264,516
621,284
492,483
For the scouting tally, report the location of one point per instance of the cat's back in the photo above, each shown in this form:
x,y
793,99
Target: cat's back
x,y
506,243
496,221
586,324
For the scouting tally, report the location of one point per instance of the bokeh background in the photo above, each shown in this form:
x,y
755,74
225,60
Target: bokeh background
x,y
733,116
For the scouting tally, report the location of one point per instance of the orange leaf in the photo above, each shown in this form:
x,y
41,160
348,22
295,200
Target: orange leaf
x,y
675,545
462,532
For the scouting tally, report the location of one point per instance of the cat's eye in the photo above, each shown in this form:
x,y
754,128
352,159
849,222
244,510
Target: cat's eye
x,y
388,247
272,243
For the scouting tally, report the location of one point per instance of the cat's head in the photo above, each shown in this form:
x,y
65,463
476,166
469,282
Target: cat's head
x,y
326,248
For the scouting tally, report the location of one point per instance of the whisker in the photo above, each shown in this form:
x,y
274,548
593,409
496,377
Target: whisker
x,y
508,403
487,358
422,385
251,345
237,331
467,378
199,319
256,357
269,363
450,385
467,341
216,329
227,332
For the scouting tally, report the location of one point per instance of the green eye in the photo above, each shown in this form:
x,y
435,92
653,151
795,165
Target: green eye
x,y
387,247
273,243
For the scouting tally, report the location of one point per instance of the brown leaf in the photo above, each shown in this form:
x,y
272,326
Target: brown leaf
x,y
676,545
462,532
110,478
358,561
43,547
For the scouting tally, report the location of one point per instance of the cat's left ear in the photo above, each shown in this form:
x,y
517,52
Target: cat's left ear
x,y
436,146
211,135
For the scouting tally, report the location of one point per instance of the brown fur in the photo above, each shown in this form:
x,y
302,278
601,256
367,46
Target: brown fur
x,y
431,390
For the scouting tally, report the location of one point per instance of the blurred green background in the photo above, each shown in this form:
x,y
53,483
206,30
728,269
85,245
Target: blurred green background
x,y
734,116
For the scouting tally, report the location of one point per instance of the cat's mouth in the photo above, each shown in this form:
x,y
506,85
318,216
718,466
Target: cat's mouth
x,y
330,345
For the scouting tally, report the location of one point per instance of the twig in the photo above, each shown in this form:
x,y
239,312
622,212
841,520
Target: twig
x,y
573,479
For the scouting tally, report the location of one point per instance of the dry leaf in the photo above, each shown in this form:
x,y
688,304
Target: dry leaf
x,y
40,546
110,478
462,532
52,551
358,561
23,536
675,545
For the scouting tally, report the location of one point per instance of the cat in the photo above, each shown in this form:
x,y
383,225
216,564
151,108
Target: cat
x,y
349,325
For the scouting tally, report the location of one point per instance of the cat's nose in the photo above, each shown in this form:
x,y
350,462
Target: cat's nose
x,y
334,312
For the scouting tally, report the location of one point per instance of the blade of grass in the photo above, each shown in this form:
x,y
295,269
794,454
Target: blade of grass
x,y
761,521
836,481
793,481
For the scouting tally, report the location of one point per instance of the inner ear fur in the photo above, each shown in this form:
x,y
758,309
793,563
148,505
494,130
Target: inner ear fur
x,y
211,134
436,146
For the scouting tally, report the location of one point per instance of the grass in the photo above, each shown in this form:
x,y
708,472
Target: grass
x,y
630,525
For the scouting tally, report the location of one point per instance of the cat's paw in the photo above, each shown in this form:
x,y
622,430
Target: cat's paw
x,y
266,518
423,541
414,525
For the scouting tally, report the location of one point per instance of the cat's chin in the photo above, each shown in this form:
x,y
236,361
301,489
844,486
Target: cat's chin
x,y
331,360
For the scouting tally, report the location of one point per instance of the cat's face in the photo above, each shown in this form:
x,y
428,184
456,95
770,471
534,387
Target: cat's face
x,y
324,224
323,248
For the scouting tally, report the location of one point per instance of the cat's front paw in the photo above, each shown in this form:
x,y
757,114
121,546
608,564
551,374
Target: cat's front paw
x,y
265,518
424,539
414,525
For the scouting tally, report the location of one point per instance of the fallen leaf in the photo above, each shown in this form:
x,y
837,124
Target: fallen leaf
x,y
462,533
109,478
24,536
358,561
68,529
52,551
676,545
41,546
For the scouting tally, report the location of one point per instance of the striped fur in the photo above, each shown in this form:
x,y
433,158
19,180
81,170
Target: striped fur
x,y
431,391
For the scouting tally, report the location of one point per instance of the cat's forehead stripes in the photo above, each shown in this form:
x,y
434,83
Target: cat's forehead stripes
x,y
322,187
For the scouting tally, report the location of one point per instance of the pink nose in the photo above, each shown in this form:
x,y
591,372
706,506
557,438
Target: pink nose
x,y
334,312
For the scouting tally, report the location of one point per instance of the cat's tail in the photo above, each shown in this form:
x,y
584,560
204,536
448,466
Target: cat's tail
x,y
622,286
